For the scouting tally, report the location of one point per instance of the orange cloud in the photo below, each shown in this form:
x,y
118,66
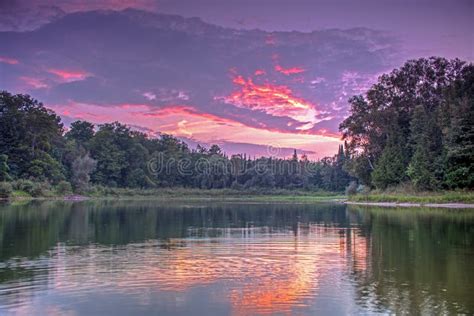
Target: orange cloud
x,y
68,75
274,100
289,71
7,60
259,72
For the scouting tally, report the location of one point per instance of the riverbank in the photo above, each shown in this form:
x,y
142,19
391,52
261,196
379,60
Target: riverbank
x,y
250,195
406,204
449,199
441,197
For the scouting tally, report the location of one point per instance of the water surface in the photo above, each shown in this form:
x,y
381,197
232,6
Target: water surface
x,y
157,258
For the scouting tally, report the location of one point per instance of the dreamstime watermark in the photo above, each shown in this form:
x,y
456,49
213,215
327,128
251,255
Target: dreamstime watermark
x,y
237,165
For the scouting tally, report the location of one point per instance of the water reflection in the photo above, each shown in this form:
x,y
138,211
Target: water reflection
x,y
142,258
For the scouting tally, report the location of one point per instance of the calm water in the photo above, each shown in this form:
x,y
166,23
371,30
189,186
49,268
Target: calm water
x,y
150,258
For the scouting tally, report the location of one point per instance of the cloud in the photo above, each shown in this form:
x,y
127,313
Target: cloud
x,y
34,83
150,96
8,60
276,100
69,75
289,71
171,74
188,122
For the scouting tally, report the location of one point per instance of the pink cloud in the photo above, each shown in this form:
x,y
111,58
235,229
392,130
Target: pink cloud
x,y
68,75
276,100
188,121
8,60
35,83
289,71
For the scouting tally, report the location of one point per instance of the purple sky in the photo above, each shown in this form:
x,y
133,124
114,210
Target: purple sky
x,y
244,89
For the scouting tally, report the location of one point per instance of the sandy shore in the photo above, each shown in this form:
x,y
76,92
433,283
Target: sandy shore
x,y
395,204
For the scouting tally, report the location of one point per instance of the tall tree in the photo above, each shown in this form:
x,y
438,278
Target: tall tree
x,y
425,169
4,169
31,136
460,131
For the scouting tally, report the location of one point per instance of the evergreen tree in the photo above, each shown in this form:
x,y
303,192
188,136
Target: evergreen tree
x,y
390,169
4,169
424,170
460,132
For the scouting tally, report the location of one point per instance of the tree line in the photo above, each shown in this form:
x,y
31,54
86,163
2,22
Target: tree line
x,y
35,146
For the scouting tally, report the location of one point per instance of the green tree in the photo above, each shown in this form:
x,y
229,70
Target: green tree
x,y
4,169
425,168
460,132
388,111
31,136
81,132
390,169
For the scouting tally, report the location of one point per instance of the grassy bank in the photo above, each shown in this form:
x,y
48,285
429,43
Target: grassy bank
x,y
26,190
250,194
221,194
418,197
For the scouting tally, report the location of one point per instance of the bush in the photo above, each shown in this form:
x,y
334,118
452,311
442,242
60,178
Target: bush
x,y
351,188
363,189
35,189
236,186
23,185
5,190
41,189
63,187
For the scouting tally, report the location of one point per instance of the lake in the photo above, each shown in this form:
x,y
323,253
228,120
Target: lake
x,y
202,258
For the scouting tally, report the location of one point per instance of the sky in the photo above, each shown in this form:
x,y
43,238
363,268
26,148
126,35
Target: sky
x,y
261,77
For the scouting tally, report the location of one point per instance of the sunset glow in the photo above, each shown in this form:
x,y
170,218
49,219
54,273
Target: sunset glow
x,y
187,121
276,100
289,71
278,285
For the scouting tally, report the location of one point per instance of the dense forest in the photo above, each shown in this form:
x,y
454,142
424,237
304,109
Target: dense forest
x,y
415,125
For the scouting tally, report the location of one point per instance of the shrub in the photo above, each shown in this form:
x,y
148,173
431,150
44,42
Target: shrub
x,y
363,189
5,190
41,189
23,185
351,188
63,187
236,186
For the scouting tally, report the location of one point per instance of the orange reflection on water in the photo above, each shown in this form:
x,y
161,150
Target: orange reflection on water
x,y
255,271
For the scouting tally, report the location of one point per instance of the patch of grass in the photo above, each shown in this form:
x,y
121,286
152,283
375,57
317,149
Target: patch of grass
x,y
420,197
20,194
222,194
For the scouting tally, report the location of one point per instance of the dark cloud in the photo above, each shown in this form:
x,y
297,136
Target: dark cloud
x,y
113,57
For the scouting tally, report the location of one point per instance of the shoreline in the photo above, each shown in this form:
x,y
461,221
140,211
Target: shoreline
x,y
218,198
451,205
247,198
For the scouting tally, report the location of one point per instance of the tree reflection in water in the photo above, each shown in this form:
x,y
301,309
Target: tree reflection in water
x,y
242,258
